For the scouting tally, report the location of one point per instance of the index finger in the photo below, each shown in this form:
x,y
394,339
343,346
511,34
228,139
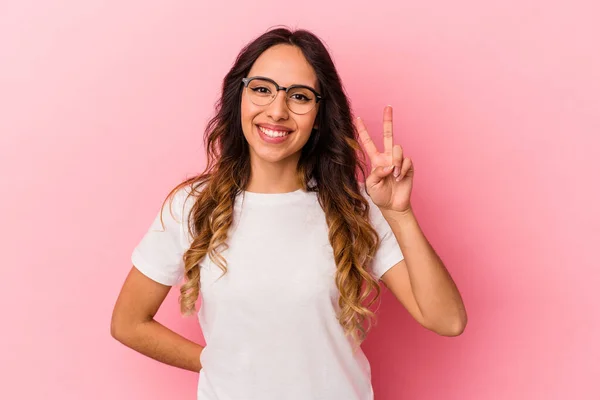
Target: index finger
x,y
366,139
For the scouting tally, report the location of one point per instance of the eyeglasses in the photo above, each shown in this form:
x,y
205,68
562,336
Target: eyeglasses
x,y
262,91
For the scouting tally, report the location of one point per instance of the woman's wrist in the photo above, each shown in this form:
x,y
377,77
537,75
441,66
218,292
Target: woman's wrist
x,y
200,359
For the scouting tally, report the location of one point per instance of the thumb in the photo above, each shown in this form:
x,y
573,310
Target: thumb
x,y
379,174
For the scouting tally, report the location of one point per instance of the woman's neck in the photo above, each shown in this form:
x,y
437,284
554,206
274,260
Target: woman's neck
x,y
268,177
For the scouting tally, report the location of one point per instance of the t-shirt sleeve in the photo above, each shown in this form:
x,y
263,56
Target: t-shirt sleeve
x,y
159,254
388,253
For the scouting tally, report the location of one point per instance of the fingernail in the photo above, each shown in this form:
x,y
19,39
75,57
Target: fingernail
x,y
389,167
396,172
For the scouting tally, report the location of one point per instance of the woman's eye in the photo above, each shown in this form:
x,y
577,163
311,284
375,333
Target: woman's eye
x,y
300,97
261,89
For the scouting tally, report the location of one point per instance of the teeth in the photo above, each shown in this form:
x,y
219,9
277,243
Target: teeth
x,y
271,133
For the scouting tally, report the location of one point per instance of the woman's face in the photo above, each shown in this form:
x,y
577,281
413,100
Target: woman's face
x,y
286,65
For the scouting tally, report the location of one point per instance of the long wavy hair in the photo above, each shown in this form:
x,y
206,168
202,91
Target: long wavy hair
x,y
331,164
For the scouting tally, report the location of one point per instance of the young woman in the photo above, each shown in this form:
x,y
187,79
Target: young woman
x,y
281,242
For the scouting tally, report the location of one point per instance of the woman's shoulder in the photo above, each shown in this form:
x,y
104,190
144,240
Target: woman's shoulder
x,y
190,190
183,196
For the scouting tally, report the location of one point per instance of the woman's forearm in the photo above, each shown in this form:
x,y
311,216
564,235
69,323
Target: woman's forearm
x,y
434,289
156,341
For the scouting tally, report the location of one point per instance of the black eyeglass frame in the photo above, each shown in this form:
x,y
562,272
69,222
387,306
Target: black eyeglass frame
x,y
318,97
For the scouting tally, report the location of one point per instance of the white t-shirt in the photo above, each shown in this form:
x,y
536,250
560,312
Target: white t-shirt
x,y
270,322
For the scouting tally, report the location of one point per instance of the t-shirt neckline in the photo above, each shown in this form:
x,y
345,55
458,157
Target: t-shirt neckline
x,y
273,198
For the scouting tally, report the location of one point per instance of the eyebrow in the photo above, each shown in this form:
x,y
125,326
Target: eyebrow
x,y
294,84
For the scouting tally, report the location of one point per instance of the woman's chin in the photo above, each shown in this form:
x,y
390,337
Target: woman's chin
x,y
275,156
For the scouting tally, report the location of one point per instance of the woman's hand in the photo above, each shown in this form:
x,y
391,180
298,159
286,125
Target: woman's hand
x,y
390,183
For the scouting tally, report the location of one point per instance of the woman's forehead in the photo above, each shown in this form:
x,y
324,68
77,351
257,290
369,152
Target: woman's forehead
x,y
286,65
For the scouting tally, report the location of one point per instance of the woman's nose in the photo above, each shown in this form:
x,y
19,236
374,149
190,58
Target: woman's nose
x,y
278,108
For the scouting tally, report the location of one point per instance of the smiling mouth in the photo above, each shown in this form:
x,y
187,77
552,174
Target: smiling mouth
x,y
272,133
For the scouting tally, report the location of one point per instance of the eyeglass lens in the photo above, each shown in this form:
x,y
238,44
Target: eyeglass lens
x,y
299,100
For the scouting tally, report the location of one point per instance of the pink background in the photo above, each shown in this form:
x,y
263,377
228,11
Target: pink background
x,y
103,104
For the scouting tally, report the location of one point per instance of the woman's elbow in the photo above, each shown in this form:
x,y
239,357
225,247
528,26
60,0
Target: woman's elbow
x,y
120,327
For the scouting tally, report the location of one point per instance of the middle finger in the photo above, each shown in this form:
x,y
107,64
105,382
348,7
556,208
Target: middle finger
x,y
388,134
